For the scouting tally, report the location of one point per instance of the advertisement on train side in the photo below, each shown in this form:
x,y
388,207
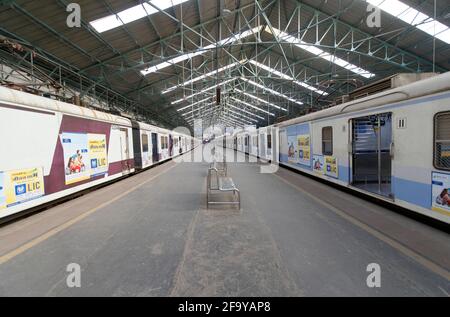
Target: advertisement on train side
x,y
318,164
98,154
292,149
20,186
85,156
441,193
331,166
327,165
304,149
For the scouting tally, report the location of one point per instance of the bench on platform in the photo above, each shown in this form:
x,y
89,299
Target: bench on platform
x,y
220,166
217,183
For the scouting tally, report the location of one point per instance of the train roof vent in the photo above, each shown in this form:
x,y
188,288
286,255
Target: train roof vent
x,y
391,82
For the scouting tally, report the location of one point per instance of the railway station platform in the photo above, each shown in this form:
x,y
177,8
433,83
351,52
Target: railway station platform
x,y
151,235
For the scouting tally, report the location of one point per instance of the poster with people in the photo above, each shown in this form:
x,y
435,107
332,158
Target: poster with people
x,y
76,157
318,164
441,192
331,166
19,186
85,156
292,149
304,149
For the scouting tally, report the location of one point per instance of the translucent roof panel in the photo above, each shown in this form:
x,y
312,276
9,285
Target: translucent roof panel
x,y
320,53
133,14
414,17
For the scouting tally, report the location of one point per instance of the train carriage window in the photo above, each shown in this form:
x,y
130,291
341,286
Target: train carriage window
x,y
442,141
144,143
269,141
327,141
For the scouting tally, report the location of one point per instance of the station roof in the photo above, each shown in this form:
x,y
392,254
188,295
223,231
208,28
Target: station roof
x,y
272,59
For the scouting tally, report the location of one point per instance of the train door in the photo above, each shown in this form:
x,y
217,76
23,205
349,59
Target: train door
x,y
155,154
180,145
124,150
371,157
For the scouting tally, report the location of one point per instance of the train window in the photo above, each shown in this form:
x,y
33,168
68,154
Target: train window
x,y
144,143
269,141
442,141
162,143
327,141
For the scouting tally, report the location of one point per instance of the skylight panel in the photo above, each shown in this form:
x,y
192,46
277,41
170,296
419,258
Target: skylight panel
x,y
201,92
284,76
212,73
241,116
273,92
132,14
243,110
200,51
250,105
106,23
191,105
236,37
322,54
198,109
414,17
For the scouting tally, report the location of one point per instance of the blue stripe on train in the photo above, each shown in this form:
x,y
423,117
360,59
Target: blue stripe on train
x,y
410,191
413,192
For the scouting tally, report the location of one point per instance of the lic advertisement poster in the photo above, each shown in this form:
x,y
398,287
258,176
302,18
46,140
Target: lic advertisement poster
x,y
20,186
441,193
331,166
304,149
98,154
85,156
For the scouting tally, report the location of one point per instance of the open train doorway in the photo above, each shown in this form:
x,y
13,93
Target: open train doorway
x,y
124,150
371,153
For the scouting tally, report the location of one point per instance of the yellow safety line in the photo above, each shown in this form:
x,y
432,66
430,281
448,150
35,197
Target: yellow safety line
x,y
396,245
8,256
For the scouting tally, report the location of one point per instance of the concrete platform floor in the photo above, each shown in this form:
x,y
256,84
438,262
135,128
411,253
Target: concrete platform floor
x,y
150,235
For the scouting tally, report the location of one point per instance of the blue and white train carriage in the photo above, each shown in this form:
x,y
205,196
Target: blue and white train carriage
x,y
394,145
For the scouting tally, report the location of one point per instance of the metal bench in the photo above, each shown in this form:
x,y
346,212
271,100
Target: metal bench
x,y
220,166
221,184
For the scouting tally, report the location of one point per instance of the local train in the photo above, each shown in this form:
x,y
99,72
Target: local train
x,y
393,145
51,149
